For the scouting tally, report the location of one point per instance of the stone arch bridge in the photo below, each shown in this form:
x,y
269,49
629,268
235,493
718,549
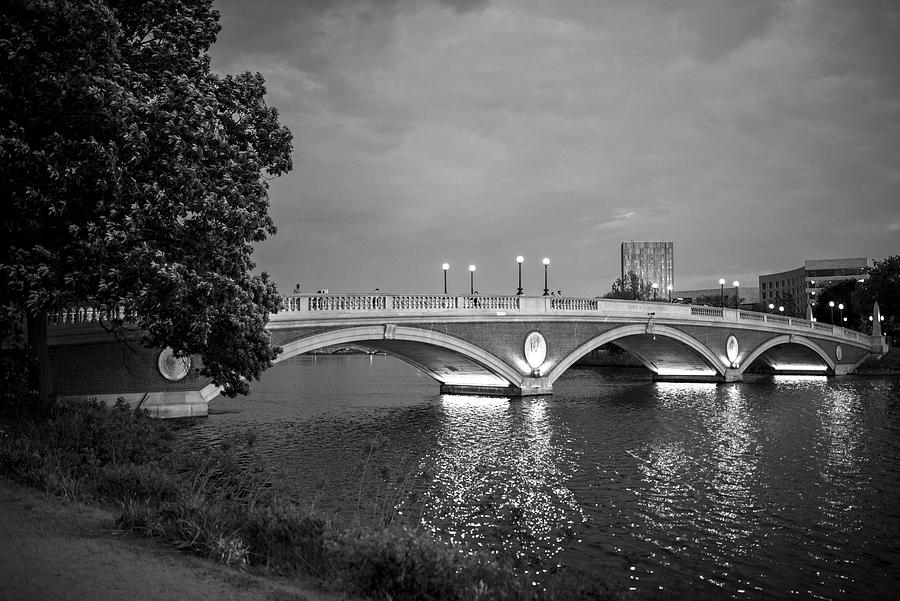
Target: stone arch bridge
x,y
489,345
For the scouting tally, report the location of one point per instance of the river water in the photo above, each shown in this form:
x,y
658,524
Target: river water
x,y
787,487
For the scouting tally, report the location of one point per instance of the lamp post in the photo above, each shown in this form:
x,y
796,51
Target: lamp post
x,y
721,292
771,307
781,309
546,289
669,290
520,259
445,267
841,314
831,308
655,287
736,285
471,279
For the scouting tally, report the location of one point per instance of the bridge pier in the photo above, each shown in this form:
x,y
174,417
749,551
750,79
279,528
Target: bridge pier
x,y
733,375
730,375
530,387
843,369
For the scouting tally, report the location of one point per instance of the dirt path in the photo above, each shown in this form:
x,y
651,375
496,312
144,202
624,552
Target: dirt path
x,y
50,549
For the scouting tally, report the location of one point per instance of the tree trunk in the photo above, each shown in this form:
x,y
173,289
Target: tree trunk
x,y
39,359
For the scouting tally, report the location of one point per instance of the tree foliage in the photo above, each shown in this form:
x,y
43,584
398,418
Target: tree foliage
x,y
631,287
135,177
882,286
848,293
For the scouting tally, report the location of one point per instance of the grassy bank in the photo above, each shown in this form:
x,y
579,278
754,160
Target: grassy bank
x,y
889,364
213,503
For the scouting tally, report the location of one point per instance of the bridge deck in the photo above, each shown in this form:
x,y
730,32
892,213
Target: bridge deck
x,y
318,307
474,343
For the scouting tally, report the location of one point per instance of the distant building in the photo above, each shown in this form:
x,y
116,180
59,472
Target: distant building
x,y
800,286
654,262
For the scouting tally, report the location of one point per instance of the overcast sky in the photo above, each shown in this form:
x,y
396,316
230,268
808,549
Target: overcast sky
x,y
752,134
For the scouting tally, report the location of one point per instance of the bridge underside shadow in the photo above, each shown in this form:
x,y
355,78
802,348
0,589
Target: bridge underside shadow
x,y
455,372
458,366
668,353
668,358
783,356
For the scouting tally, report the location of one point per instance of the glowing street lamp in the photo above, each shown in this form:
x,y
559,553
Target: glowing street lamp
x,y
772,307
841,314
831,306
546,289
471,279
669,290
520,259
655,287
721,292
736,285
781,309
445,267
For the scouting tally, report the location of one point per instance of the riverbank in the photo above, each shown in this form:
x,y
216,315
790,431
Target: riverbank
x,y
216,504
53,549
888,365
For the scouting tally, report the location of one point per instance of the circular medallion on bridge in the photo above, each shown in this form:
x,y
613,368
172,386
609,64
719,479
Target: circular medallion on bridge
x,y
535,349
171,367
732,349
838,352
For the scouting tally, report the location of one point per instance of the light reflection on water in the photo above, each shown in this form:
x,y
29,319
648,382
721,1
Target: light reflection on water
x,y
782,488
499,478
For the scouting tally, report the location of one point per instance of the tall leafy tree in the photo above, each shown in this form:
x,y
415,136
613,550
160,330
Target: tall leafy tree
x,y
883,286
630,287
135,178
848,293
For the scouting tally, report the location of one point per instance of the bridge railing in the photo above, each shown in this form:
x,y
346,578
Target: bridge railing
x,y
409,302
427,303
329,304
707,311
83,314
488,302
574,304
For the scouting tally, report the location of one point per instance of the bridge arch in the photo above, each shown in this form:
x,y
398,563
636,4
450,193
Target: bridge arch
x,y
634,330
788,340
382,337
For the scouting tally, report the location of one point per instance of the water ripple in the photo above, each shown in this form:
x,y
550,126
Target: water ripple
x,y
785,488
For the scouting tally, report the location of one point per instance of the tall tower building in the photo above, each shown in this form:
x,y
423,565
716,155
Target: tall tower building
x,y
654,262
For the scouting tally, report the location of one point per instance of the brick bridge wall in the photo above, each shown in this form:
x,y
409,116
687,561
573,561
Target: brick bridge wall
x,y
505,339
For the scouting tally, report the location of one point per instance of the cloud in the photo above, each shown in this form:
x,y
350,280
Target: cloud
x,y
754,134
462,6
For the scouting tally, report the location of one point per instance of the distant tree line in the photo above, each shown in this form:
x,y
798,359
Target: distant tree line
x,y
858,298
882,286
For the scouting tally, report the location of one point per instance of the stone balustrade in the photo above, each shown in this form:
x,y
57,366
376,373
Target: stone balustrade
x,y
707,312
573,304
322,305
87,315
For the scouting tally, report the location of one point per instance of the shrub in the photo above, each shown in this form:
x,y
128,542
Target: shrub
x,y
216,503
